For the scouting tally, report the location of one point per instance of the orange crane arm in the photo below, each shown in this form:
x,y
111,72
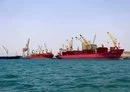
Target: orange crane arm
x,y
84,45
81,41
114,40
84,40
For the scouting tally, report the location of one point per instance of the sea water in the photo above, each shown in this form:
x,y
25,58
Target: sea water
x,y
64,75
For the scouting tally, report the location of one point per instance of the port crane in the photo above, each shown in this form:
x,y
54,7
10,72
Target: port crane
x,y
26,48
114,40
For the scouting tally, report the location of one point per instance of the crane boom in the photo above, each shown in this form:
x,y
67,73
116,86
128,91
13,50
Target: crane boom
x,y
114,40
85,41
84,45
6,50
26,48
94,39
81,41
27,45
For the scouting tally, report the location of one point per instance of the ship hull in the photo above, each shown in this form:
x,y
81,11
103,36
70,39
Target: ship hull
x,y
115,54
41,56
10,57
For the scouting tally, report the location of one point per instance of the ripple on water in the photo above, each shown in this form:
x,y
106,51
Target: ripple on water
x,y
8,80
24,87
8,76
123,79
8,83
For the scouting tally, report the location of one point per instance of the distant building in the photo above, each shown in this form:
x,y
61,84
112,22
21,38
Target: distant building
x,y
126,54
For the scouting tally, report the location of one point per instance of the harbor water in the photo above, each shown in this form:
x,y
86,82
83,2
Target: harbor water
x,y
64,75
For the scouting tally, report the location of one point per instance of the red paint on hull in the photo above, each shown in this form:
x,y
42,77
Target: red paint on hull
x,y
41,56
113,54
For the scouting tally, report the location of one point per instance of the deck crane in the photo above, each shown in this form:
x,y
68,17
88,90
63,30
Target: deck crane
x,y
40,48
114,40
94,39
86,42
45,48
70,45
26,48
83,43
6,50
81,40
67,46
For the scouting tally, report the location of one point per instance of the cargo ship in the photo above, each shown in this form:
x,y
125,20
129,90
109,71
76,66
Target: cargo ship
x,y
41,54
91,51
7,56
48,55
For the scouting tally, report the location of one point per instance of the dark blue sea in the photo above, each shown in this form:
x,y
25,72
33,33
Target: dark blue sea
x,y
64,75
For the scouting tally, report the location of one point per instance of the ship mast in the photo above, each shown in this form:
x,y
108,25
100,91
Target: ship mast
x,y
70,45
26,48
67,46
45,48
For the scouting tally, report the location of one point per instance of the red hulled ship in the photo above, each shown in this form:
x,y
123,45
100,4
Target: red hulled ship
x,y
48,55
91,51
41,54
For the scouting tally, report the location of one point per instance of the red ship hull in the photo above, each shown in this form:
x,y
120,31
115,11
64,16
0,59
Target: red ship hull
x,y
114,54
41,56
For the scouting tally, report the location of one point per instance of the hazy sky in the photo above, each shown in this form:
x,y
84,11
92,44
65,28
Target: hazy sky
x,y
54,21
